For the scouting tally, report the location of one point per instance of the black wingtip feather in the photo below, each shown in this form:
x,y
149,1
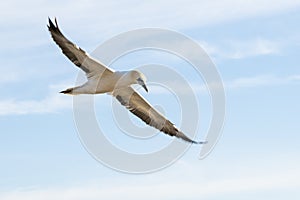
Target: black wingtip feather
x,y
51,25
201,142
55,22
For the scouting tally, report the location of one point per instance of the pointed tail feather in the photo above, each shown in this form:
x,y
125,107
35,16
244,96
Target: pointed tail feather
x,y
67,91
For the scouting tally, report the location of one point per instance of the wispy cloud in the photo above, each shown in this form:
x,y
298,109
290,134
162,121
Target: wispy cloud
x,y
267,80
238,49
184,14
253,48
166,189
262,80
122,16
52,103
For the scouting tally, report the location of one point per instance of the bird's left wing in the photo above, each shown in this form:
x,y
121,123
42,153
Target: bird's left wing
x,y
136,104
78,56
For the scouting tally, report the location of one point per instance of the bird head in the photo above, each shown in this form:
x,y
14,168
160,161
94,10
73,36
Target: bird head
x,y
139,78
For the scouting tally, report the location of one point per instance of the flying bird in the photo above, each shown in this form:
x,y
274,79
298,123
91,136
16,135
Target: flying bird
x,y
101,79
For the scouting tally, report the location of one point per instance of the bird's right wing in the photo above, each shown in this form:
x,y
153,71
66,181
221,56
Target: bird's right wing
x,y
78,56
136,104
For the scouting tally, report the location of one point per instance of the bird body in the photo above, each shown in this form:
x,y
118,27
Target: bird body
x,y
99,84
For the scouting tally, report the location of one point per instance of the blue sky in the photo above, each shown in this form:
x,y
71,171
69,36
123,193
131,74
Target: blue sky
x,y
255,46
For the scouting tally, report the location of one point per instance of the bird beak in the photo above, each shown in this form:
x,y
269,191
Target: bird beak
x,y
144,86
142,83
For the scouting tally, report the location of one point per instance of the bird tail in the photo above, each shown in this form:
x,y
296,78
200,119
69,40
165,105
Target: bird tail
x,y
67,91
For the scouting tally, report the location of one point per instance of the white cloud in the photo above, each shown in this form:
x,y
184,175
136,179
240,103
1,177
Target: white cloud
x,y
238,49
256,81
294,78
262,80
268,80
100,19
166,188
169,13
254,48
52,103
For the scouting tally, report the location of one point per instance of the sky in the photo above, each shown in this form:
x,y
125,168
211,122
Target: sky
x,y
255,47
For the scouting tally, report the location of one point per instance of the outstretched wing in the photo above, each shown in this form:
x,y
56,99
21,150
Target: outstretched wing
x,y
136,104
78,56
